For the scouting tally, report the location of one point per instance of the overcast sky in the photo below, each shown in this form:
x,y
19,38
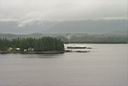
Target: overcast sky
x,y
29,10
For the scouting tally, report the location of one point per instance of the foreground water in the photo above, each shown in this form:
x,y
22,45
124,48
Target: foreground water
x,y
105,65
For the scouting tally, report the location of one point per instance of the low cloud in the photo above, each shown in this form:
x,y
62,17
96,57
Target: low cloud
x,y
60,10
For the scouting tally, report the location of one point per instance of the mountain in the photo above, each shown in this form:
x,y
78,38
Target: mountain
x,y
83,26
101,26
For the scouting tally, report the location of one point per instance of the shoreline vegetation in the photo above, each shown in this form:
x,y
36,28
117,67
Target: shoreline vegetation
x,y
45,45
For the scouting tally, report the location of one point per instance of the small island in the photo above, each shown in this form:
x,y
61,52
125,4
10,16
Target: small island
x,y
45,45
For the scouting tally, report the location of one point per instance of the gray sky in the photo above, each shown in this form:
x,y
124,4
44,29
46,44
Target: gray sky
x,y
52,10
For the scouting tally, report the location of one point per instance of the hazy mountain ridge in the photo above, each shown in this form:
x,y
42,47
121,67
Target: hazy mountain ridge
x,y
83,26
73,31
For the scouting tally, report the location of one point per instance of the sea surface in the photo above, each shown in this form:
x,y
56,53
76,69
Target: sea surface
x,y
104,65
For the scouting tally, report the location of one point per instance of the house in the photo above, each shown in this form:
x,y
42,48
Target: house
x,y
17,49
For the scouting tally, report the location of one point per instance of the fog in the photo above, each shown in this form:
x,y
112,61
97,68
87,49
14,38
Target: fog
x,y
60,10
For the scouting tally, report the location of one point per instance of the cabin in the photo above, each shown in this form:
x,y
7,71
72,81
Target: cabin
x,y
17,49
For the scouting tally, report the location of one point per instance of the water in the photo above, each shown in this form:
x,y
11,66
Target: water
x,y
105,65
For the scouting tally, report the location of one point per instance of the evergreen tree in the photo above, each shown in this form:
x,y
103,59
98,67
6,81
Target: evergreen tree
x,y
41,44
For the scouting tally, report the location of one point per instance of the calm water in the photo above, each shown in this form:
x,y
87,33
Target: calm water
x,y
105,65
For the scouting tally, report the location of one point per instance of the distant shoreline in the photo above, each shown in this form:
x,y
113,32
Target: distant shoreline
x,y
97,43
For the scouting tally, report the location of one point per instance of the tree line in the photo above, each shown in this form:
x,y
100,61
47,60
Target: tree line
x,y
41,44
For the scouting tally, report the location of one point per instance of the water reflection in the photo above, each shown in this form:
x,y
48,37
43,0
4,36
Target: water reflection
x,y
105,65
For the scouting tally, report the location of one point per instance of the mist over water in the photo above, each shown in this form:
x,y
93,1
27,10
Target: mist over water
x,y
105,65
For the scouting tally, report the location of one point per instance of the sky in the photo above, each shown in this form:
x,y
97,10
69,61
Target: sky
x,y
61,10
